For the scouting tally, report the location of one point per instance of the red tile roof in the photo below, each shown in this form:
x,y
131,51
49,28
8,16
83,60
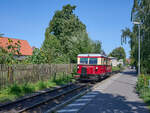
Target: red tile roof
x,y
25,48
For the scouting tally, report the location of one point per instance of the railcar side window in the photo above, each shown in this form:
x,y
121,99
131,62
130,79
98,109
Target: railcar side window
x,y
83,60
102,61
105,61
93,61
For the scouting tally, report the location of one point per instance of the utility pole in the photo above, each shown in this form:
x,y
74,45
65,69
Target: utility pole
x,y
139,52
138,23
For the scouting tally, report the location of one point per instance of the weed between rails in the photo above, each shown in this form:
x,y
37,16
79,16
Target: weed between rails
x,y
15,91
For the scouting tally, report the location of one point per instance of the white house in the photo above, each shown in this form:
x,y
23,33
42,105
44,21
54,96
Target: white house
x,y
116,62
120,62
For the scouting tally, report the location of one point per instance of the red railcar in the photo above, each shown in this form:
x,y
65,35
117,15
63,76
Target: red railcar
x,y
93,66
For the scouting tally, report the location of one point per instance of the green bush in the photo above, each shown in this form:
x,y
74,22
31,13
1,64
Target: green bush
x,y
140,83
15,89
27,88
143,89
41,85
143,81
75,69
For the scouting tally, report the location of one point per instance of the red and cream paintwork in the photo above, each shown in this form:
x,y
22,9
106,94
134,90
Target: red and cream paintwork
x,y
92,66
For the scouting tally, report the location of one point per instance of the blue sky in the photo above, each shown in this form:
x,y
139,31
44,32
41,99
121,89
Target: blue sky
x,y
28,19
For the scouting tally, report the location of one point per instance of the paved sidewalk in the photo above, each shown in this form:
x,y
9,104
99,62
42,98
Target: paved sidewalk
x,y
117,95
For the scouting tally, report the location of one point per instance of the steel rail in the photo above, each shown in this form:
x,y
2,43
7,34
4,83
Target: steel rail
x,y
45,92
55,108
51,98
35,95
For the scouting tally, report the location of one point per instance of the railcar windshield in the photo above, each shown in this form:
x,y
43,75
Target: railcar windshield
x,y
92,60
83,60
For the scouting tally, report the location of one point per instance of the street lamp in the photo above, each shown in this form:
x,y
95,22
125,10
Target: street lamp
x,y
138,23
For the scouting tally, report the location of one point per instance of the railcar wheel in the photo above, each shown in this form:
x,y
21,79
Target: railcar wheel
x,y
81,81
93,82
99,78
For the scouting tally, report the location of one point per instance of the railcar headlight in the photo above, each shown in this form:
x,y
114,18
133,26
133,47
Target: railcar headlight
x,y
96,68
78,67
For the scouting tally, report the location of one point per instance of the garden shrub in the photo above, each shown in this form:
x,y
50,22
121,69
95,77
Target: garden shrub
x,y
42,85
27,88
15,89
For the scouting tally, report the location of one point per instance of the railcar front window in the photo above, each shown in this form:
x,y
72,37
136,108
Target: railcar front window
x,y
93,61
83,60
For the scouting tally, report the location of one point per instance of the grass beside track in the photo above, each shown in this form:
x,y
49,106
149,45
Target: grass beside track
x,y
15,91
143,88
117,68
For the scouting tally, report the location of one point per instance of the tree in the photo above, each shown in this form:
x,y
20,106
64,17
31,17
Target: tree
x,y
127,33
140,13
97,47
66,37
119,53
52,48
103,53
65,26
3,55
7,55
63,31
38,57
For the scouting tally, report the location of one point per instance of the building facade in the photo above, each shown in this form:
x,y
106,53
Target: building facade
x,y
24,47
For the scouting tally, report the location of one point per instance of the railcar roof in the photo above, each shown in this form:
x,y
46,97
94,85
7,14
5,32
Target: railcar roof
x,y
91,55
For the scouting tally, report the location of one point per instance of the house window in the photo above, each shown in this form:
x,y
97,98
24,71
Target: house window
x,y
83,60
93,61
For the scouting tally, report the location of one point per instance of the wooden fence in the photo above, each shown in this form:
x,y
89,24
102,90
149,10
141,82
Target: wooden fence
x,y
31,73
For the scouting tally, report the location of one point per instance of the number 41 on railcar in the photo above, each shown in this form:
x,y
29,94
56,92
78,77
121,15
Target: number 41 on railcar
x,y
93,67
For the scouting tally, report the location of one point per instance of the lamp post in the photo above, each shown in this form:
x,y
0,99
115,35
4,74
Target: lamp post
x,y
138,23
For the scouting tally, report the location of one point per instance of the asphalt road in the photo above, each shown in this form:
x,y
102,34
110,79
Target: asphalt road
x,y
115,95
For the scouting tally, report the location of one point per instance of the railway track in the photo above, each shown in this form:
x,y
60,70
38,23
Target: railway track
x,y
40,102
94,86
43,101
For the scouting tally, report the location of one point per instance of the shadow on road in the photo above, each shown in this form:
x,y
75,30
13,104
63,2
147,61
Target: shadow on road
x,y
108,103
130,72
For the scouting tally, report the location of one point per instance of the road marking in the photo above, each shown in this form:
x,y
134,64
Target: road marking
x,y
88,96
84,99
67,110
93,93
78,104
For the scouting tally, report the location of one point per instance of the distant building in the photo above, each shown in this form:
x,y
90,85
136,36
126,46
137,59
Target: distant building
x,y
120,62
128,60
25,48
116,62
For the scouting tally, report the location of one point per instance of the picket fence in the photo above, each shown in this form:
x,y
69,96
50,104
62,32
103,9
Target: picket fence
x,y
31,73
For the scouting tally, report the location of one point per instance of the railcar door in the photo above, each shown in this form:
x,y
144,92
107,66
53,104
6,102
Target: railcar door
x,y
83,72
84,62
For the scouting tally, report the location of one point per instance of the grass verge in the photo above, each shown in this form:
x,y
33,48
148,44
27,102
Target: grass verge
x,y
143,88
15,91
117,68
